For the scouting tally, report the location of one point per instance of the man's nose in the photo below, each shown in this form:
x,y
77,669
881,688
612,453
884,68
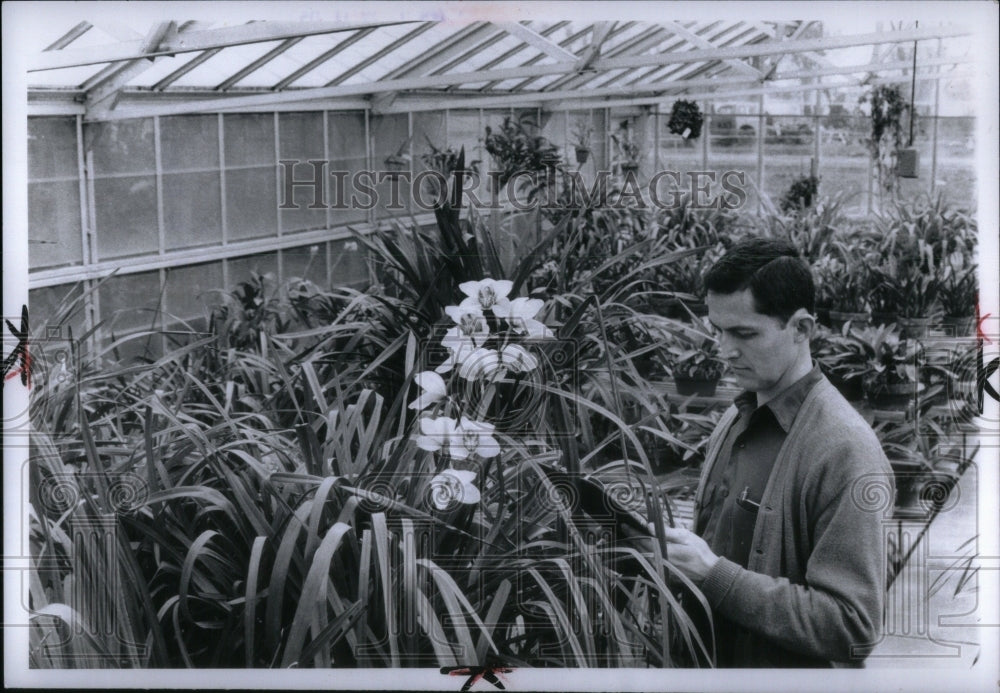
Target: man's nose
x,y
727,349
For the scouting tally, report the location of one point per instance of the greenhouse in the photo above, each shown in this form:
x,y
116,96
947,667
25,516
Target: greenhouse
x,y
414,339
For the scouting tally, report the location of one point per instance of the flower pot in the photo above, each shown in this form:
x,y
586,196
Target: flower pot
x,y
839,318
582,154
915,328
692,386
959,325
892,396
630,167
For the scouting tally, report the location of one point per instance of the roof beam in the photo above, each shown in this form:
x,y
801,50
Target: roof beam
x,y
436,57
103,97
185,68
598,35
323,57
260,62
647,38
661,89
536,40
534,59
254,32
540,70
375,57
701,42
69,37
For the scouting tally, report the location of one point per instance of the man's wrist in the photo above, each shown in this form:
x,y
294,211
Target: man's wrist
x,y
719,580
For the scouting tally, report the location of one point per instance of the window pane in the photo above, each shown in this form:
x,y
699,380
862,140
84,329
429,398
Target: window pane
x,y
240,268
347,202
189,141
249,139
124,146
125,209
307,262
52,148
54,224
192,290
845,161
192,211
251,203
304,196
47,305
347,135
789,148
301,136
130,302
347,264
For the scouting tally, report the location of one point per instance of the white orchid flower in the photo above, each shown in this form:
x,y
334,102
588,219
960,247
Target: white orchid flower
x,y
470,327
436,433
487,294
433,388
516,358
461,438
453,486
457,355
521,312
479,363
473,437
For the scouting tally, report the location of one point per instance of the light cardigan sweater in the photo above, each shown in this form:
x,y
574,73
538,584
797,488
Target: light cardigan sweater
x,y
815,581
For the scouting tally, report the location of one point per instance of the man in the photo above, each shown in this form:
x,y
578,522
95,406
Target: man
x,y
789,560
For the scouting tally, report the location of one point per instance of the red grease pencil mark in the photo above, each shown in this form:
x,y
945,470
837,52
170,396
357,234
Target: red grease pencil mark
x,y
493,673
20,352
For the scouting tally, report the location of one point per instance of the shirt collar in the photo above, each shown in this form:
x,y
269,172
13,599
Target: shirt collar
x,y
785,405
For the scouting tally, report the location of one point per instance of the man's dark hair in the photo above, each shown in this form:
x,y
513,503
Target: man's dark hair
x,y
779,280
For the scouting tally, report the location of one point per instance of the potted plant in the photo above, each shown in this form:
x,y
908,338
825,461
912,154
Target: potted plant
x,y
693,358
516,149
958,295
890,376
842,290
912,296
843,359
685,119
582,131
627,152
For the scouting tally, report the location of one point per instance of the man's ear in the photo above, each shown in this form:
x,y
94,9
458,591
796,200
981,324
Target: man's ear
x,y
803,323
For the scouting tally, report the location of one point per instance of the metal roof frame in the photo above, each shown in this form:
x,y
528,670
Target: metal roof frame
x,y
540,62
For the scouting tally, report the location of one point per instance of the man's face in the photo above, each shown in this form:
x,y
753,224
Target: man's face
x,y
759,349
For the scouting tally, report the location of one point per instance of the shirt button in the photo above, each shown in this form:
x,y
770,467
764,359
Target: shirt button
x,y
760,550
741,446
725,492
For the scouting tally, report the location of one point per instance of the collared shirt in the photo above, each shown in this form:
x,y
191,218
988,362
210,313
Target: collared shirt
x,y
737,480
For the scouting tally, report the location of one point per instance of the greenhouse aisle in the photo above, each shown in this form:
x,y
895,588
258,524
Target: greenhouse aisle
x,y
938,630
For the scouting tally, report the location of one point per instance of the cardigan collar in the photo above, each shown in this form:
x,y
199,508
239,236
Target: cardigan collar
x,y
786,404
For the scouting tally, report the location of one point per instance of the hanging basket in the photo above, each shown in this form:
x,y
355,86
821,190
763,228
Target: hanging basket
x,y
582,154
685,119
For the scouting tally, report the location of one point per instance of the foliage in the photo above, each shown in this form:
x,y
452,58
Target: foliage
x,y
628,153
685,119
518,149
693,351
296,509
581,134
800,194
887,109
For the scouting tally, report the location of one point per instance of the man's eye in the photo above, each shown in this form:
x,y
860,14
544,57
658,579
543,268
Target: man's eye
x,y
744,335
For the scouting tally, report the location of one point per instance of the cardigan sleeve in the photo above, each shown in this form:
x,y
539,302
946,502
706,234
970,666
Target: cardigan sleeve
x,y
838,611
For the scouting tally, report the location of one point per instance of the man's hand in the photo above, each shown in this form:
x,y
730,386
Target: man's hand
x,y
689,553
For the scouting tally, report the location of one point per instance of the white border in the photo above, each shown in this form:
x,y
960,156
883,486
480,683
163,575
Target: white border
x,y
19,18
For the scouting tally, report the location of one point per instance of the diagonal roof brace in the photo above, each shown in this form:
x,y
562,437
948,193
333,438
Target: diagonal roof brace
x,y
103,97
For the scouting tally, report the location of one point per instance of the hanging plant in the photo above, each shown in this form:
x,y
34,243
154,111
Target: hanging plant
x,y
887,109
685,119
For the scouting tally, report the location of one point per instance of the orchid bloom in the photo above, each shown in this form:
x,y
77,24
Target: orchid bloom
x,y
486,294
462,438
433,388
480,362
470,327
521,312
453,485
516,358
